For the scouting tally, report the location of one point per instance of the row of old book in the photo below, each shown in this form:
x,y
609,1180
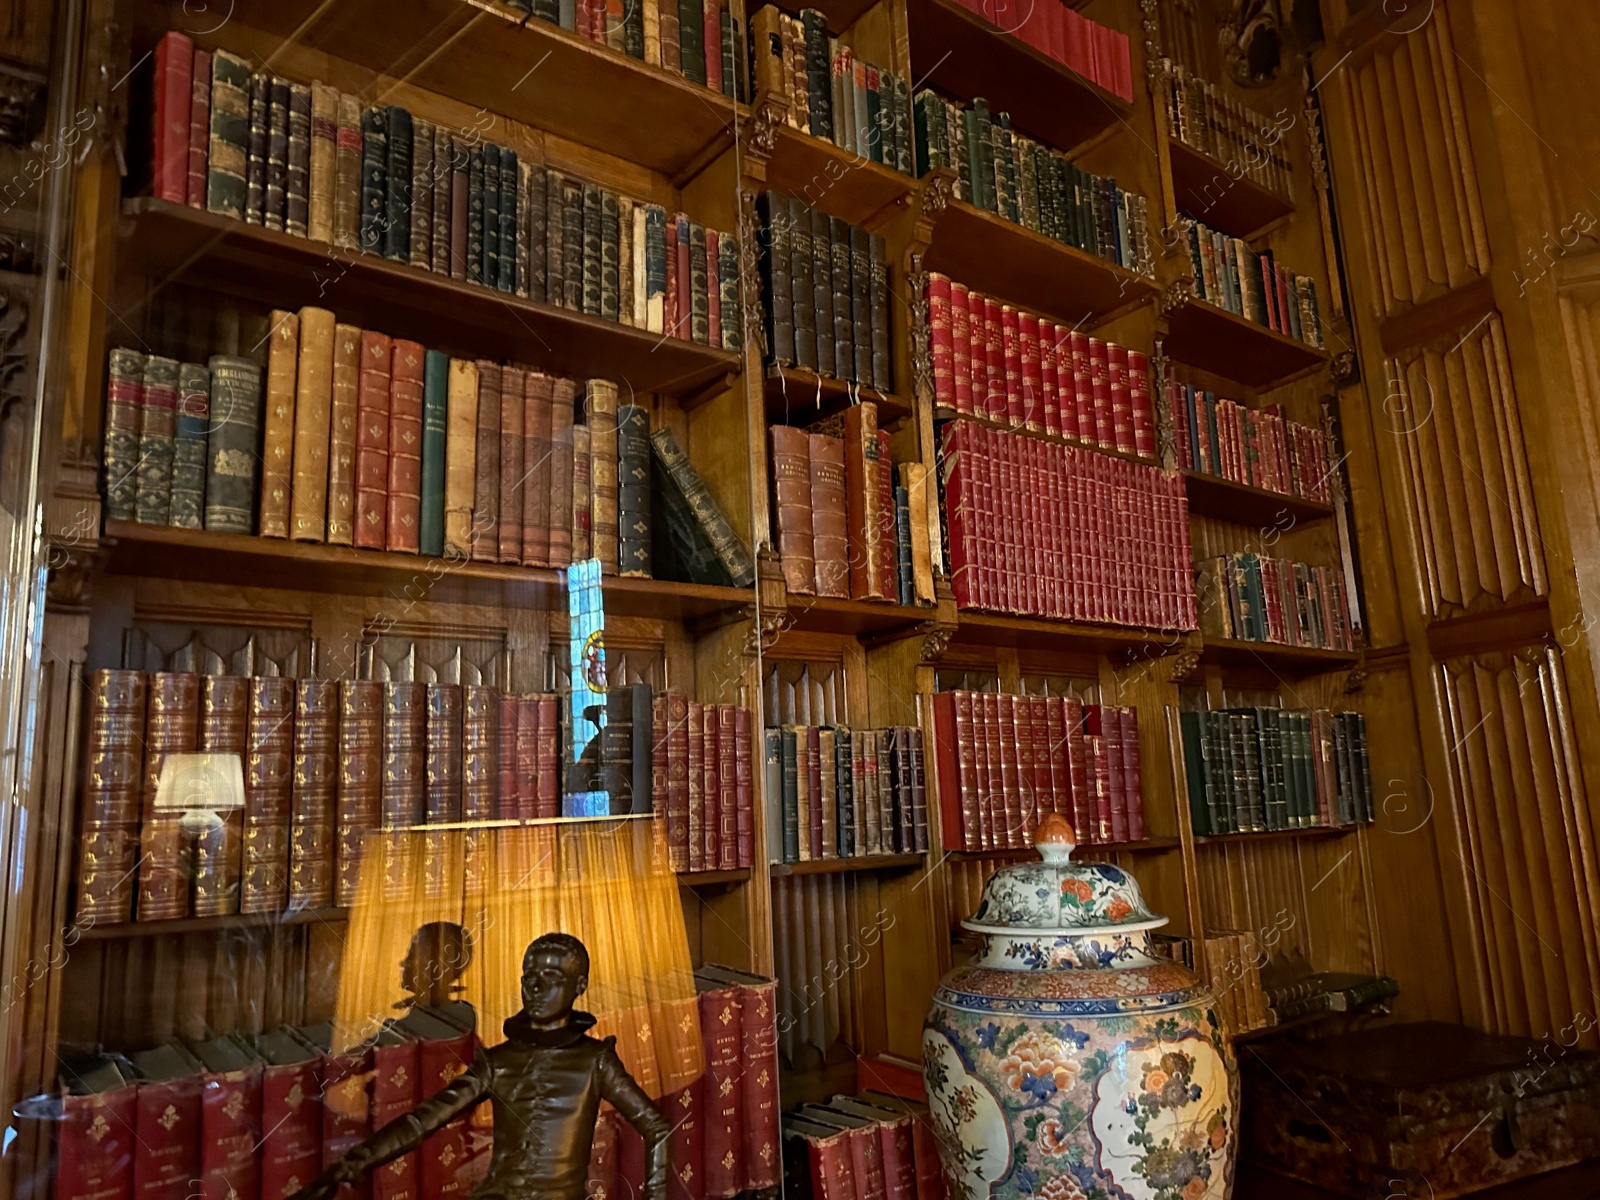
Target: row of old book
x,y
1254,598
851,523
374,442
1095,51
825,289
260,1116
1004,762
837,792
1249,143
1229,274
700,40
1030,184
874,1146
1253,770
1038,528
1023,370
311,161
323,762
1260,447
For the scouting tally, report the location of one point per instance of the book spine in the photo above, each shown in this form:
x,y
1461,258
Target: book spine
x,y
863,499
723,1132
347,173
727,787
313,793
125,375
829,519
188,500
633,491
792,504
582,537
268,780
313,414
360,766
435,433
172,90
374,179
419,194
158,416
170,727
342,430
600,414
231,443
224,713
563,461
537,404
513,398
505,277
480,753
278,427
255,179
486,475
442,764
372,441
297,178
397,185
695,795
228,147
731,552
197,175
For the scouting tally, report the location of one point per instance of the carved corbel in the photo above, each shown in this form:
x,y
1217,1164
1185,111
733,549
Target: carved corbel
x,y
935,640
1178,294
934,194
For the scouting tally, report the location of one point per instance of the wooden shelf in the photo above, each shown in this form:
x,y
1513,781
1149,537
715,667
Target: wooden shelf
x,y
1301,660
1213,496
1000,258
1274,835
1038,633
1203,335
164,552
957,51
727,878
490,57
840,182
172,242
859,862
944,413
1207,190
798,396
1013,854
821,614
186,925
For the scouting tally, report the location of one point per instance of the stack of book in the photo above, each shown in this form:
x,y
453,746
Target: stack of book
x,y
1038,528
1251,770
825,289
697,39
836,792
1005,762
1023,370
831,94
1256,446
1094,51
1257,599
1312,993
1031,184
1230,275
850,522
311,161
701,770
1234,960
861,1147
376,443
1251,144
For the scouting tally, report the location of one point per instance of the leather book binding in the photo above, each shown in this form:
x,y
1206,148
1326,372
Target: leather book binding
x,y
722,1142
403,788
563,461
696,787
277,425
397,185
830,539
792,502
633,491
125,372
291,1113
224,714
359,793
96,1145
268,785
186,508
435,435
744,787
460,468
508,533
170,727
419,195
480,752
347,173
166,1126
313,793
172,90
600,414
405,448
486,485
864,498
230,1118
343,422
228,147
677,790
313,413
372,442
109,826
297,177
538,418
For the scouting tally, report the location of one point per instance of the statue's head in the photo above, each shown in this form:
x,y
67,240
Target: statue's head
x,y
440,952
555,972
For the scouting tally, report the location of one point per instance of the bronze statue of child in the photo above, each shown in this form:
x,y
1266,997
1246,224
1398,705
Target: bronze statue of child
x,y
546,1081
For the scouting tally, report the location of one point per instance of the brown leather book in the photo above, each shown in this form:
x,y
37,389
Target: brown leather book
x,y
372,441
480,752
677,790
171,725
710,786
486,475
563,406
403,530
526,762
313,411
224,713
863,500
277,425
888,584
830,534
342,435
513,386
268,780
696,806
537,415
460,457
109,827
405,710
510,716
792,506
600,413
547,757
582,534
324,148
914,478
360,769
444,753
313,794
347,174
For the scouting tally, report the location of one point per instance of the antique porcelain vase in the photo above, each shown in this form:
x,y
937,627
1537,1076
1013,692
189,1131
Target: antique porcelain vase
x,y
1067,1060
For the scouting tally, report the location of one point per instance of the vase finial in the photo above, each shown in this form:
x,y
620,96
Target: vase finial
x,y
1055,839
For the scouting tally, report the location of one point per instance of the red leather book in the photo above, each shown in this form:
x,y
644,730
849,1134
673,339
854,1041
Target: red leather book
x,y
442,799
171,727
313,793
685,289
1100,393
548,761
372,442
268,780
604,1172
924,1141
792,507
1121,399
895,1145
658,755
395,1091
866,1152
230,1119
830,530
940,340
1039,728
486,472
1094,732
722,1138
958,776
743,788
888,544
1084,813
405,726
537,439
677,790
513,429
1057,759
1028,804
994,357
955,473
710,787
443,1052
1016,522
630,1160
95,1146
109,831
996,756
713,282
346,1103
676,325
712,12
1144,423
1032,381
1132,781
510,713
172,94
818,1158
405,447
684,1174
1111,750
563,407
1082,386
1011,363
166,1145
1049,381
359,796
199,130
1033,453
291,1114
978,351
526,761
696,788
757,1074
813,769
1010,776
960,339
1061,537
480,753
863,497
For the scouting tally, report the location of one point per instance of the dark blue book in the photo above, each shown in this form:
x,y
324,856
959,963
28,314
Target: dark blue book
x,y
902,544
397,191
506,275
374,178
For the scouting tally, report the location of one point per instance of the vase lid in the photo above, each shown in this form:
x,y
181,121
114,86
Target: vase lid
x,y
1057,895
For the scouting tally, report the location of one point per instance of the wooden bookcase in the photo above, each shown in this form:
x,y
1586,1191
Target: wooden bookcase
x,y
558,99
